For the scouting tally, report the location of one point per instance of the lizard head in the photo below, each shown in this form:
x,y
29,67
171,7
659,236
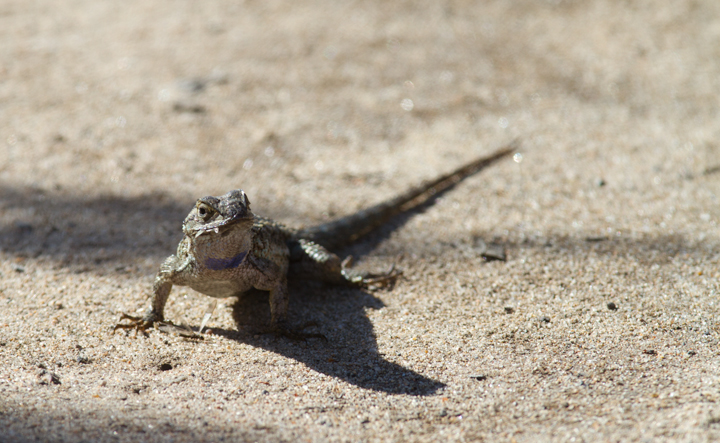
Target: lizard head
x,y
217,214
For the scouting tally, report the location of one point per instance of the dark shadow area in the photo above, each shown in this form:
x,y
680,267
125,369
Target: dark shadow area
x,y
86,233
116,422
89,232
350,352
78,231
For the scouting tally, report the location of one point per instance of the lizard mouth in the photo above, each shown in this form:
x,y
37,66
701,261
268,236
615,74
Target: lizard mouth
x,y
219,226
218,214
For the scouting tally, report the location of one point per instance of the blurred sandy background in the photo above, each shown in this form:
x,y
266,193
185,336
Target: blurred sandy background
x,y
600,326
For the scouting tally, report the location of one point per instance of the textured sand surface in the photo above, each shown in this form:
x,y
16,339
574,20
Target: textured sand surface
x,y
600,326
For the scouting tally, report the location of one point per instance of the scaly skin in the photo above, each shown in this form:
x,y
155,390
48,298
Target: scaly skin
x,y
227,250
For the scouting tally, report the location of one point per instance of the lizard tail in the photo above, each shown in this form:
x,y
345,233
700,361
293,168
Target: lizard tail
x,y
345,230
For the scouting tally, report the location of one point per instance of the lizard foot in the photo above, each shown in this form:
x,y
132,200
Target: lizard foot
x,y
369,280
141,324
382,280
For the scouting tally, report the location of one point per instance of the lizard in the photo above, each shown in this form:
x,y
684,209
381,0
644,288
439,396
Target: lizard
x,y
227,250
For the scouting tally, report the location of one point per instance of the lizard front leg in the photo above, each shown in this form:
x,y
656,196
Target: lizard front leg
x,y
279,301
161,291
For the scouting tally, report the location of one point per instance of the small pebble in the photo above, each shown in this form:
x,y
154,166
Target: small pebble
x,y
192,85
595,239
650,352
509,309
545,319
612,306
490,251
178,379
48,378
494,252
24,228
190,108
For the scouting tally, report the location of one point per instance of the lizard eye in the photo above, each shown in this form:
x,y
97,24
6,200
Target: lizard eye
x,y
205,212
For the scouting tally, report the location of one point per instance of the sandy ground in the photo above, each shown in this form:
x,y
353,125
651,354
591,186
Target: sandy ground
x,y
600,326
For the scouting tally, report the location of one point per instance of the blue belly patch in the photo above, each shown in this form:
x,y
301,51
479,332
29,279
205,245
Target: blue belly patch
x,y
218,264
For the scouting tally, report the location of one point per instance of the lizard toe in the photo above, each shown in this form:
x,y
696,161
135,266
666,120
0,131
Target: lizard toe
x,y
141,324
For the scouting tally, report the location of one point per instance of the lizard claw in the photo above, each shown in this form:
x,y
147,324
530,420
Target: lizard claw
x,y
369,280
141,324
382,280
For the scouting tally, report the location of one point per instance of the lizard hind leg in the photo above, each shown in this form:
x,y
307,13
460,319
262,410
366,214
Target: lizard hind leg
x,y
310,261
313,261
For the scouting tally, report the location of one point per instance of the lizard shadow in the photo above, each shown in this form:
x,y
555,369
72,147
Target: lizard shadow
x,y
350,352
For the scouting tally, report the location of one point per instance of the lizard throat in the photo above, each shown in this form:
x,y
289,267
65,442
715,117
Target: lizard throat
x,y
219,264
